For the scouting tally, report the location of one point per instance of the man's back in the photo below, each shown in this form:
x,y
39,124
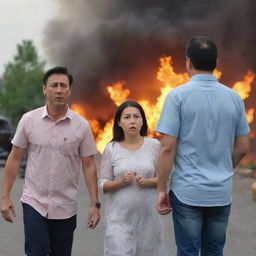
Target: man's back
x,y
205,135
207,116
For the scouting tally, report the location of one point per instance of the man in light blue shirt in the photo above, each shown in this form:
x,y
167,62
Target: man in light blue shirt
x,y
205,135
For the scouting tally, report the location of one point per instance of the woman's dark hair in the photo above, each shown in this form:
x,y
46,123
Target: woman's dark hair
x,y
118,134
202,51
57,70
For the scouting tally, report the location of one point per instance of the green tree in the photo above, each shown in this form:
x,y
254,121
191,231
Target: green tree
x,y
21,88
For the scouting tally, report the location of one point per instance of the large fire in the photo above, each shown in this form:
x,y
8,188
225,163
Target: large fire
x,y
170,80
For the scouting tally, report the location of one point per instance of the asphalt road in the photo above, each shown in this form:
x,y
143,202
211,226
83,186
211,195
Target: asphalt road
x,y
241,236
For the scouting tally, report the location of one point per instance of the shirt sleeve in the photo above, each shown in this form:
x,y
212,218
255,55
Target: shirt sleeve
x,y
87,145
106,167
242,126
20,138
169,121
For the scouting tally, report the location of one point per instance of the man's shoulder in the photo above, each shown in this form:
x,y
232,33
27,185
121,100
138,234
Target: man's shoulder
x,y
179,91
230,91
181,88
33,113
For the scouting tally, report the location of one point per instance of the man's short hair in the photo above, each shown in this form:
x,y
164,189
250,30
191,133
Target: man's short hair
x,y
202,51
57,70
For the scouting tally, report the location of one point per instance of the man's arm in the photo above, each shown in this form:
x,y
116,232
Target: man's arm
x,y
164,166
146,182
240,149
10,173
90,175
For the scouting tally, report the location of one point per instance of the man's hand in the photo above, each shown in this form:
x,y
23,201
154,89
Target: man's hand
x,y
93,217
163,203
10,173
7,209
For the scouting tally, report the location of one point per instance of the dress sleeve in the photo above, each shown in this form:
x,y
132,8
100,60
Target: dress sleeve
x,y
106,167
155,145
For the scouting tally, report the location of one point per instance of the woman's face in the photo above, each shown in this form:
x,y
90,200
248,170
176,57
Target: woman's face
x,y
131,121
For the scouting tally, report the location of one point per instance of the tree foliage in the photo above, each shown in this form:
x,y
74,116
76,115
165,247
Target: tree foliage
x,y
21,87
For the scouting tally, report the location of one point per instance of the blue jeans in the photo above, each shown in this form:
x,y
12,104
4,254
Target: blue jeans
x,y
47,236
199,229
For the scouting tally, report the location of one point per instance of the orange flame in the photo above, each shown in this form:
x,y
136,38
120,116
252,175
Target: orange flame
x,y
250,115
93,122
104,136
78,109
167,76
243,88
170,79
118,96
117,93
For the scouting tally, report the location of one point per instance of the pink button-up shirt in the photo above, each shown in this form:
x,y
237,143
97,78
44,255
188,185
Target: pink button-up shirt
x,y
55,149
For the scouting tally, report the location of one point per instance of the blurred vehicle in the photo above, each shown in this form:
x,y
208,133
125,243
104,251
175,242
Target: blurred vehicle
x,y
6,135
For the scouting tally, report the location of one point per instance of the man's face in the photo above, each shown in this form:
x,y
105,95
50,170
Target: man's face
x,y
57,90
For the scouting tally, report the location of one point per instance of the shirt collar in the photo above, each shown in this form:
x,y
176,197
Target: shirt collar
x,y
46,114
204,77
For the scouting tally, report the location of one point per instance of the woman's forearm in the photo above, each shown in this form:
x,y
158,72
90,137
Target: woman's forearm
x,y
113,186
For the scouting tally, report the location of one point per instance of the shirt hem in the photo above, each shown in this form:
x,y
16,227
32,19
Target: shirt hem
x,y
188,202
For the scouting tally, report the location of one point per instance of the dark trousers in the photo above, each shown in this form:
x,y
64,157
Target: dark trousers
x,y
47,236
199,229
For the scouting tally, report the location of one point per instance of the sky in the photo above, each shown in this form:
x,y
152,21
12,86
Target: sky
x,y
23,19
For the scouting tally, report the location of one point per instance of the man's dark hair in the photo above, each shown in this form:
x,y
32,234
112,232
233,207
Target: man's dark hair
x,y
57,70
118,134
202,51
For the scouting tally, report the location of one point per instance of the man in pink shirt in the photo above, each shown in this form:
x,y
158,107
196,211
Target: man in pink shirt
x,y
58,141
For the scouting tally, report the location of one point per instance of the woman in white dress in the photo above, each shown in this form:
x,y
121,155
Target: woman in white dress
x,y
127,176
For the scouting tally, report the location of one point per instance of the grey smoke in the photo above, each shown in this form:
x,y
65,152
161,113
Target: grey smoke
x,y
105,41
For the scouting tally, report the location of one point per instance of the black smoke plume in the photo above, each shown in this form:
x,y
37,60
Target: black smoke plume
x,y
105,41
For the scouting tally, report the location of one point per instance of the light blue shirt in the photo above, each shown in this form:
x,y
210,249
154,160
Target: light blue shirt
x,y
205,116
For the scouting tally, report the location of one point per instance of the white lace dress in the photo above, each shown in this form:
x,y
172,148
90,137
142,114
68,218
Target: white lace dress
x,y
133,226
